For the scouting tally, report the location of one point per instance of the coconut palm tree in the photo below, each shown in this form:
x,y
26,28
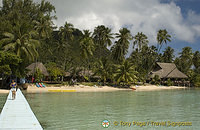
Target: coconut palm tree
x,y
120,49
102,36
196,61
102,39
65,37
66,32
86,48
184,62
125,73
86,44
140,40
168,55
103,69
23,45
163,37
44,26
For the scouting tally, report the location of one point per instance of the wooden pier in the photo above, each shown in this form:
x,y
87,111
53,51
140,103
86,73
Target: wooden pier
x,y
17,114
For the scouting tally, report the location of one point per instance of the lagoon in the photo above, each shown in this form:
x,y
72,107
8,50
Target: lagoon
x,y
123,109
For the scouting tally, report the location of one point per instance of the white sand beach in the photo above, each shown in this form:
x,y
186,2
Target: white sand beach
x,y
4,91
154,87
83,88
76,88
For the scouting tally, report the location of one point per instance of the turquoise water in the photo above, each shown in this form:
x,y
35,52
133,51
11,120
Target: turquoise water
x,y
86,111
3,98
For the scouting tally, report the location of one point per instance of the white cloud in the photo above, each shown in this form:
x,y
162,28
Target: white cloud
x,y
147,16
0,3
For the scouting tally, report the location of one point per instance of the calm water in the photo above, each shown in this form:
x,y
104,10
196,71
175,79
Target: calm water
x,y
86,111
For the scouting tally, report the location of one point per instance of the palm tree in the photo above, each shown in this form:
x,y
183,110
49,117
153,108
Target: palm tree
x,y
65,37
184,62
66,32
86,47
102,36
196,61
168,55
23,45
86,44
140,40
163,37
120,49
103,69
125,73
44,26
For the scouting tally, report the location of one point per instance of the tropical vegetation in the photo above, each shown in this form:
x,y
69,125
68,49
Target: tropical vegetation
x,y
28,34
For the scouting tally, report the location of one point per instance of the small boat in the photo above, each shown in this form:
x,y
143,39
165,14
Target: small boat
x,y
133,89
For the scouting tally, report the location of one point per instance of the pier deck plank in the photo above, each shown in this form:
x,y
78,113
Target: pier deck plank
x,y
17,114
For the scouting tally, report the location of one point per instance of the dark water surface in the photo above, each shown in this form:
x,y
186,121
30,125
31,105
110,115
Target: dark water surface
x,y
86,111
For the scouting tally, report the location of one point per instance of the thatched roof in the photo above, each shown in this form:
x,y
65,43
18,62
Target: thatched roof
x,y
167,70
39,66
86,72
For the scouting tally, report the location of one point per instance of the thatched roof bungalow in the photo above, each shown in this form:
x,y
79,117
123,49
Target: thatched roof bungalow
x,y
37,65
166,71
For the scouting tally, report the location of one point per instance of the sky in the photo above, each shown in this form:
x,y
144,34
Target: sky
x,y
181,18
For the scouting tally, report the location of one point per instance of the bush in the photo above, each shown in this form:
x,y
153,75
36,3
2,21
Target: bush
x,y
89,83
156,80
38,75
169,82
196,80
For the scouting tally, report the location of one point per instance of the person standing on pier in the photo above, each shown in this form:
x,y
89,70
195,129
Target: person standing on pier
x,y
13,86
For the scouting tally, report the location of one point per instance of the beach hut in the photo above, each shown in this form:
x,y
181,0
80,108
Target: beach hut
x,y
167,71
38,65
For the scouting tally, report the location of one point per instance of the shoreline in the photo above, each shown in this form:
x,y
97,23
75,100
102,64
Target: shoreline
x,y
156,88
4,91
75,88
83,88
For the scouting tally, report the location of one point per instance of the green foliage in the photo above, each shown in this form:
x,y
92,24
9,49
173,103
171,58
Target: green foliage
x,y
144,60
156,80
169,82
120,49
163,37
86,45
168,55
184,62
104,69
8,63
140,40
54,71
38,75
125,73
89,83
102,39
24,26
102,36
196,80
26,36
23,45
86,78
196,61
